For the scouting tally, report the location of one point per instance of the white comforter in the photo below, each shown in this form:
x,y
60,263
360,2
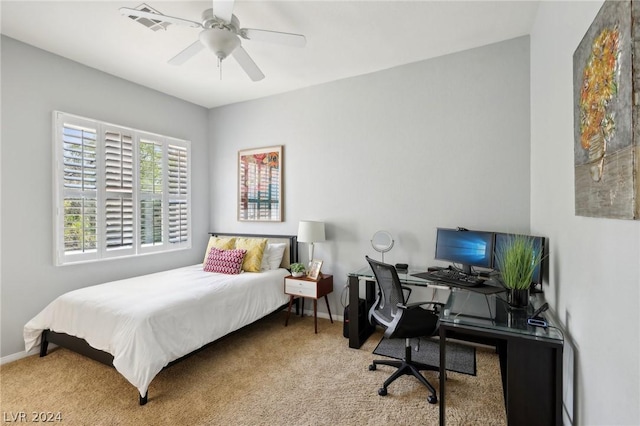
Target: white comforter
x,y
148,321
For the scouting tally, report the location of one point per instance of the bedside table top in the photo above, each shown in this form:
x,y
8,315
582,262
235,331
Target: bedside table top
x,y
306,278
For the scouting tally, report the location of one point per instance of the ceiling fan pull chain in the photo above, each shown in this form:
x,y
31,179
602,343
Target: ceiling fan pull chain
x,y
220,67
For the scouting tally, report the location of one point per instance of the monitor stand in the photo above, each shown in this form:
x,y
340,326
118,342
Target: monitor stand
x,y
466,269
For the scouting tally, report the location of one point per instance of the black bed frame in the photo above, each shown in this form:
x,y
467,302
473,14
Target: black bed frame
x,y
81,346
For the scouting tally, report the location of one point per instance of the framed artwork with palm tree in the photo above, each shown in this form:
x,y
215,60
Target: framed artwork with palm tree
x,y
260,184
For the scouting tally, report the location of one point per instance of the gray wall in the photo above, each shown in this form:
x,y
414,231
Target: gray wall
x,y
34,83
444,142
594,282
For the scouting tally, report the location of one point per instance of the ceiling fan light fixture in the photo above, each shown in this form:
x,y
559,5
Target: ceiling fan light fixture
x,y
221,35
220,41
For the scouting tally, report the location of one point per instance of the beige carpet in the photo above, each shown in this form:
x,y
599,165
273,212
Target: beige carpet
x,y
265,374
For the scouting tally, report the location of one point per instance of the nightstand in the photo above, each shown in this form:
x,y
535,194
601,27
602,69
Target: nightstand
x,y
311,289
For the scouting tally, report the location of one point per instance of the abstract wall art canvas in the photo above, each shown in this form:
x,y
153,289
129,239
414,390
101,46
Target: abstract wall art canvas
x,y
606,120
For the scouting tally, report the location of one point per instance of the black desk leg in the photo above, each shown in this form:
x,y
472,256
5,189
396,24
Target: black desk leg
x,y
443,373
354,341
358,333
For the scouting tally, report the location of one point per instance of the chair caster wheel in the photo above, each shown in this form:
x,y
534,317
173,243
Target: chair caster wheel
x,y
432,399
382,391
372,367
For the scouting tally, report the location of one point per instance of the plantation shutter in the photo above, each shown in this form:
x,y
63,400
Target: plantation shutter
x,y
151,192
117,191
178,194
118,164
79,188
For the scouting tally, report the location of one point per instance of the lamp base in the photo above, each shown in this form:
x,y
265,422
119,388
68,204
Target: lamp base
x,y
310,254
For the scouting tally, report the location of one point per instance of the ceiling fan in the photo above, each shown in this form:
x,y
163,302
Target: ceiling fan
x,y
221,34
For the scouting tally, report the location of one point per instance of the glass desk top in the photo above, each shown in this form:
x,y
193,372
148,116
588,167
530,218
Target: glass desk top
x,y
491,311
404,275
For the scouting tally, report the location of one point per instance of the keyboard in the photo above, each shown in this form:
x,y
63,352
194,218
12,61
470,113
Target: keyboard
x,y
454,277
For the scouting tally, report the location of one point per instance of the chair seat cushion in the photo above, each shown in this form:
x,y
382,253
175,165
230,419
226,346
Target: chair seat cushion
x,y
416,322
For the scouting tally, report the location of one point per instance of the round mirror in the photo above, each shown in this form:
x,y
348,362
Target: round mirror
x,y
382,242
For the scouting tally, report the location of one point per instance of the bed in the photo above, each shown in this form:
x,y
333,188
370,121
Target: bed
x,y
142,324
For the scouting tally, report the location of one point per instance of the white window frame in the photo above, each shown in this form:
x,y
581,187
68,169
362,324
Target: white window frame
x,y
101,253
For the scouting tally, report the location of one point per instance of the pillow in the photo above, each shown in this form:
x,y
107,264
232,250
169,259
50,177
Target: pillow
x,y
272,257
255,251
224,261
220,243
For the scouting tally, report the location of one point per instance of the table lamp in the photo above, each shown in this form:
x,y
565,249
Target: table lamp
x,y
310,232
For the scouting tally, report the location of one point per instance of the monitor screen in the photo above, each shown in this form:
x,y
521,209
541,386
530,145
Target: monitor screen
x,y
469,248
538,246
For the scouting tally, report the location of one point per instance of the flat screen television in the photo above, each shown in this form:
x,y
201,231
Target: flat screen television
x,y
467,248
538,246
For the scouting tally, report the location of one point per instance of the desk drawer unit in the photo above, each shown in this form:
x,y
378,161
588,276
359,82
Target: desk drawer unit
x,y
301,288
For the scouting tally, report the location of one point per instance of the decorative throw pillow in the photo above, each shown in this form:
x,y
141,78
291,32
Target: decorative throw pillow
x,y
220,243
255,250
225,261
273,253
272,257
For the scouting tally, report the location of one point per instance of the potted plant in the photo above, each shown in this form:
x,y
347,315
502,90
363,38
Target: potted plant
x,y
517,260
297,269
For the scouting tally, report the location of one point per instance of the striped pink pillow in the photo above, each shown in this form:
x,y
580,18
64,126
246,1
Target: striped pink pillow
x,y
225,261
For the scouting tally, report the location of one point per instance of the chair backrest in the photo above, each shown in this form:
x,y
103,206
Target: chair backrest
x,y
385,309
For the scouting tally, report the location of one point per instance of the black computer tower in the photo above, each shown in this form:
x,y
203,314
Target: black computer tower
x,y
362,318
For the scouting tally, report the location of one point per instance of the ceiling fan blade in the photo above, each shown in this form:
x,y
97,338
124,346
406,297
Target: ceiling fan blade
x,y
247,64
295,40
187,53
223,9
157,17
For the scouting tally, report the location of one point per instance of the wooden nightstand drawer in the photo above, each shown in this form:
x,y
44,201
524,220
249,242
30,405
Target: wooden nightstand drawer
x,y
300,287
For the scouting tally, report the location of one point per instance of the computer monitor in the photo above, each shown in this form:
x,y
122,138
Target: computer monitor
x,y
468,248
538,247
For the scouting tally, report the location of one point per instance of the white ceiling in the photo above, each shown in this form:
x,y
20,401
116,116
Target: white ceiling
x,y
344,39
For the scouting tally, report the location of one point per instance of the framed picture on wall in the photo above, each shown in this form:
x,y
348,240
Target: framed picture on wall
x,y
260,184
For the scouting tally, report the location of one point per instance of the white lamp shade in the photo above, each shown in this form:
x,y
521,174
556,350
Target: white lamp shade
x,y
310,232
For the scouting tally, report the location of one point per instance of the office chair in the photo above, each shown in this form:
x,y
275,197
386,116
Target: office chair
x,y
401,320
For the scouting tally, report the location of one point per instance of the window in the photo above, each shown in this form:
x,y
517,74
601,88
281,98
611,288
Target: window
x,y
118,191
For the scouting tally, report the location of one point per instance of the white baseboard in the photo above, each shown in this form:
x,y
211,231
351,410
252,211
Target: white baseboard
x,y
307,312
19,355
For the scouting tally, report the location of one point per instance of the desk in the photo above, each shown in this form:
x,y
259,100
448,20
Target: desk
x,y
359,332
530,357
